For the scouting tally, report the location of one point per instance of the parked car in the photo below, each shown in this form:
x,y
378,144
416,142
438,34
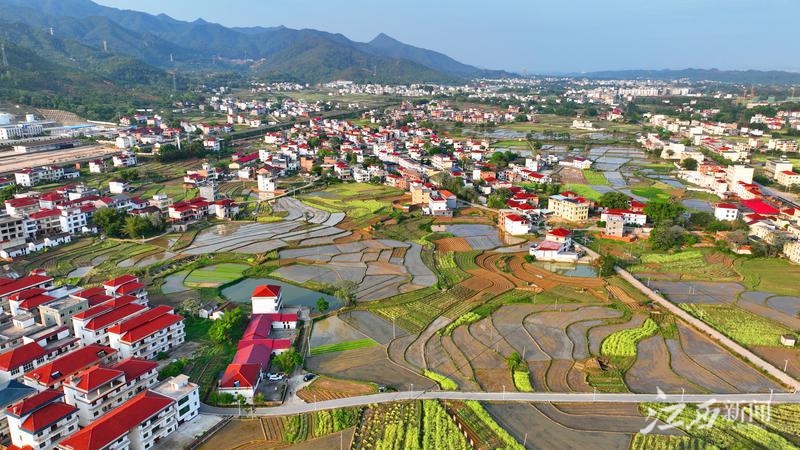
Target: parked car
x,y
274,376
308,377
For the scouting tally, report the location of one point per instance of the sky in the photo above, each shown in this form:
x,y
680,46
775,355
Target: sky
x,y
537,36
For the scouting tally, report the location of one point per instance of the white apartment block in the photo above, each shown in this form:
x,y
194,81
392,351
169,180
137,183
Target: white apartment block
x,y
137,425
148,334
185,393
42,421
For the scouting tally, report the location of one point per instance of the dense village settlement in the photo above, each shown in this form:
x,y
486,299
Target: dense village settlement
x,y
504,261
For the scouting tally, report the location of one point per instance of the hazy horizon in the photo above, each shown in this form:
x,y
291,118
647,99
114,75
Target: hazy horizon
x,y
530,37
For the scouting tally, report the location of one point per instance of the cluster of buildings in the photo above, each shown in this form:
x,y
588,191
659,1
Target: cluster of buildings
x,y
78,370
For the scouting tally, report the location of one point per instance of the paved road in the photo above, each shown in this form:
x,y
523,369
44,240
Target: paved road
x,y
526,397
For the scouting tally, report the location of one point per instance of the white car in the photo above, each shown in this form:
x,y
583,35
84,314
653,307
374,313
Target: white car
x,y
274,376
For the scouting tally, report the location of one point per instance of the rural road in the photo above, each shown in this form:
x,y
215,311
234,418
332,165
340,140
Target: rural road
x,y
526,397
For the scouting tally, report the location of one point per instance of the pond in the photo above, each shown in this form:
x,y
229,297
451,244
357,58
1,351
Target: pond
x,y
292,295
699,205
80,272
570,270
174,283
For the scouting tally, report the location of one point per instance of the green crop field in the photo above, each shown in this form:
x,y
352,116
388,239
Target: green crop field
x,y
582,190
663,442
595,177
769,274
738,324
216,275
623,342
359,200
651,193
522,381
342,346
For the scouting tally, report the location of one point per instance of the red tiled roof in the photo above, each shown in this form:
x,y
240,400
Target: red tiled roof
x,y
47,416
94,311
130,287
94,377
69,364
30,404
21,202
114,315
134,367
726,206
44,213
267,290
246,374
515,218
118,422
119,281
23,283
146,328
560,232
33,302
17,357
140,319
759,206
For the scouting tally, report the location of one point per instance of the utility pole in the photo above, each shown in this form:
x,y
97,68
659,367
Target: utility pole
x,y
105,46
3,51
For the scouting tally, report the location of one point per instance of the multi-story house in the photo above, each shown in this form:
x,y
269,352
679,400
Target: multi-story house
x,y
41,421
137,425
98,390
53,374
185,393
92,326
148,334
569,207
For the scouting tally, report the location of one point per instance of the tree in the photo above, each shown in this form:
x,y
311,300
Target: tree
x,y
322,304
498,198
660,211
229,327
110,221
689,164
606,264
288,360
614,200
700,220
345,290
667,237
513,361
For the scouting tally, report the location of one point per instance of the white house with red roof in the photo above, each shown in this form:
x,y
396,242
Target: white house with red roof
x,y
41,421
54,373
628,216
138,424
557,246
9,287
515,224
726,211
148,334
97,390
91,326
127,285
124,159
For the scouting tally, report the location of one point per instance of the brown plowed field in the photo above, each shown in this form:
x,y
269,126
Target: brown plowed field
x,y
326,388
452,244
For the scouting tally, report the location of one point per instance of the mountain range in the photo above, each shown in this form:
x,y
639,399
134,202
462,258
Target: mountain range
x,y
278,53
